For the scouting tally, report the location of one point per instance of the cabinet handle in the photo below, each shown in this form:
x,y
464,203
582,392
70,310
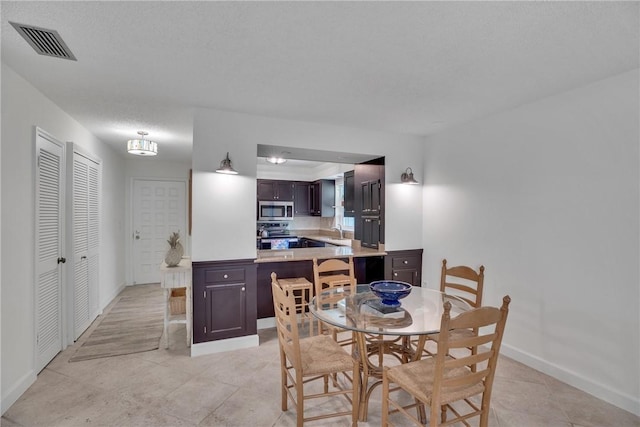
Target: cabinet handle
x,y
395,274
405,261
243,289
226,276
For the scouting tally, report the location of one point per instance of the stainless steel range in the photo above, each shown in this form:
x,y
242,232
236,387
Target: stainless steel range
x,y
275,235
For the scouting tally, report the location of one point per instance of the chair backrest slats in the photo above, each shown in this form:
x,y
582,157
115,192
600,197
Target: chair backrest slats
x,y
464,281
333,273
286,322
450,375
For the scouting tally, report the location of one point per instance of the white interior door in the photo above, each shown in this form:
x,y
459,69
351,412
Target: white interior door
x,y
49,245
86,241
159,209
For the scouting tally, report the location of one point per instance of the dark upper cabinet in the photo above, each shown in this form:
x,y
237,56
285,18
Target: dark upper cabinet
x,y
301,205
370,197
275,190
224,300
405,266
370,234
369,203
349,193
322,197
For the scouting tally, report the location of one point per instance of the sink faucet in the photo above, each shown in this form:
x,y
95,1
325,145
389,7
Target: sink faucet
x,y
339,228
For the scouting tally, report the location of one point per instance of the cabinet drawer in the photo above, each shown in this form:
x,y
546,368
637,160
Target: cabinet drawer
x,y
406,262
218,276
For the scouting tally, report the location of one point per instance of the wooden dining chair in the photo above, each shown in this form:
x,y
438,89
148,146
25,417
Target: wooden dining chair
x,y
330,274
440,381
304,361
465,283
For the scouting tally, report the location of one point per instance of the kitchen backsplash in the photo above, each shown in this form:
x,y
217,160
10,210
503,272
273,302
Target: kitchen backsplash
x,y
311,223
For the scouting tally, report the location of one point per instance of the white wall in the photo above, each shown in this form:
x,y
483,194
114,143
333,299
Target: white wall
x,y
23,107
546,196
224,205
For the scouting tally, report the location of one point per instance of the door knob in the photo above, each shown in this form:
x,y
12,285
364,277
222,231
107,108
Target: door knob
x,y
137,235
62,260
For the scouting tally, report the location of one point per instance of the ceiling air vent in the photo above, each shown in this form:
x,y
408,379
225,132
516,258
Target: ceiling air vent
x,y
45,42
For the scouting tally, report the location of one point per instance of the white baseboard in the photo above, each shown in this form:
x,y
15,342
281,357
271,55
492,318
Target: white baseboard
x,y
224,345
109,299
18,390
266,323
601,391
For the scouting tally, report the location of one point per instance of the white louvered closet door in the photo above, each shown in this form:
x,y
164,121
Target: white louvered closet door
x,y
86,241
49,244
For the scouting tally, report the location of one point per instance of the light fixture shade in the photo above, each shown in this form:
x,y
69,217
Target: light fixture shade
x,y
276,160
407,177
142,147
225,166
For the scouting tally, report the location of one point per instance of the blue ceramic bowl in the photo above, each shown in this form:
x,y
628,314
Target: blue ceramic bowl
x,y
390,291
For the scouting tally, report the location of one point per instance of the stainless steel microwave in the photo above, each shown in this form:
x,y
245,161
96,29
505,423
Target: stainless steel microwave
x,y
269,210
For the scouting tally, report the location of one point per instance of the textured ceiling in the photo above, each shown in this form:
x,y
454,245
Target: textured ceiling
x,y
407,67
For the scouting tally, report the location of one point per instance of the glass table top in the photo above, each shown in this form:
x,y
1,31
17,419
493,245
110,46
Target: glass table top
x,y
360,310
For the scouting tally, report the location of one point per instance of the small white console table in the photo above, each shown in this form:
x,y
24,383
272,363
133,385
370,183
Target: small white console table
x,y
176,277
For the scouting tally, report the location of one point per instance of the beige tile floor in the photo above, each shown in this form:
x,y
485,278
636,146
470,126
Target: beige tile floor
x,y
167,387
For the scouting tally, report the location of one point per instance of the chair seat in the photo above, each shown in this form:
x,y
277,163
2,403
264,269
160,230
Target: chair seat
x,y
295,283
320,354
417,379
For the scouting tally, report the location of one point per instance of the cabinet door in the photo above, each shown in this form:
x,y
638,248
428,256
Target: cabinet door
x,y
371,197
365,198
266,190
409,276
284,191
301,199
370,232
225,310
349,193
314,198
374,190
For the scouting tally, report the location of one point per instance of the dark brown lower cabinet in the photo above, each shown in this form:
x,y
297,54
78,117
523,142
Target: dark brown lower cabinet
x,y
224,299
405,265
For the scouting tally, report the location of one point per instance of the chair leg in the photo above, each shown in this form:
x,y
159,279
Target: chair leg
x,y
355,399
443,414
284,384
299,401
385,400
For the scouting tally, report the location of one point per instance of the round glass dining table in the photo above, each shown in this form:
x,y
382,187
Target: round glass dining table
x,y
382,334
360,310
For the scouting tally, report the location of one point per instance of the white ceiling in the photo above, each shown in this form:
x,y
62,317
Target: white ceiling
x,y
407,67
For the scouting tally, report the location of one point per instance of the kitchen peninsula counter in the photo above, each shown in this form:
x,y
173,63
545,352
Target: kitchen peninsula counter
x,y
287,263
307,254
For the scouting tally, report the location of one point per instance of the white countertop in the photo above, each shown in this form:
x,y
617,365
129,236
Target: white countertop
x,y
306,254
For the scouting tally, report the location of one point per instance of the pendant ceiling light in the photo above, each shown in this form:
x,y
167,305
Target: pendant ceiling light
x,y
225,166
142,147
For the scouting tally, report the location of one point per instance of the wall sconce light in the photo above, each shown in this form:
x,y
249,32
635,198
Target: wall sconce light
x,y
407,177
225,166
142,147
